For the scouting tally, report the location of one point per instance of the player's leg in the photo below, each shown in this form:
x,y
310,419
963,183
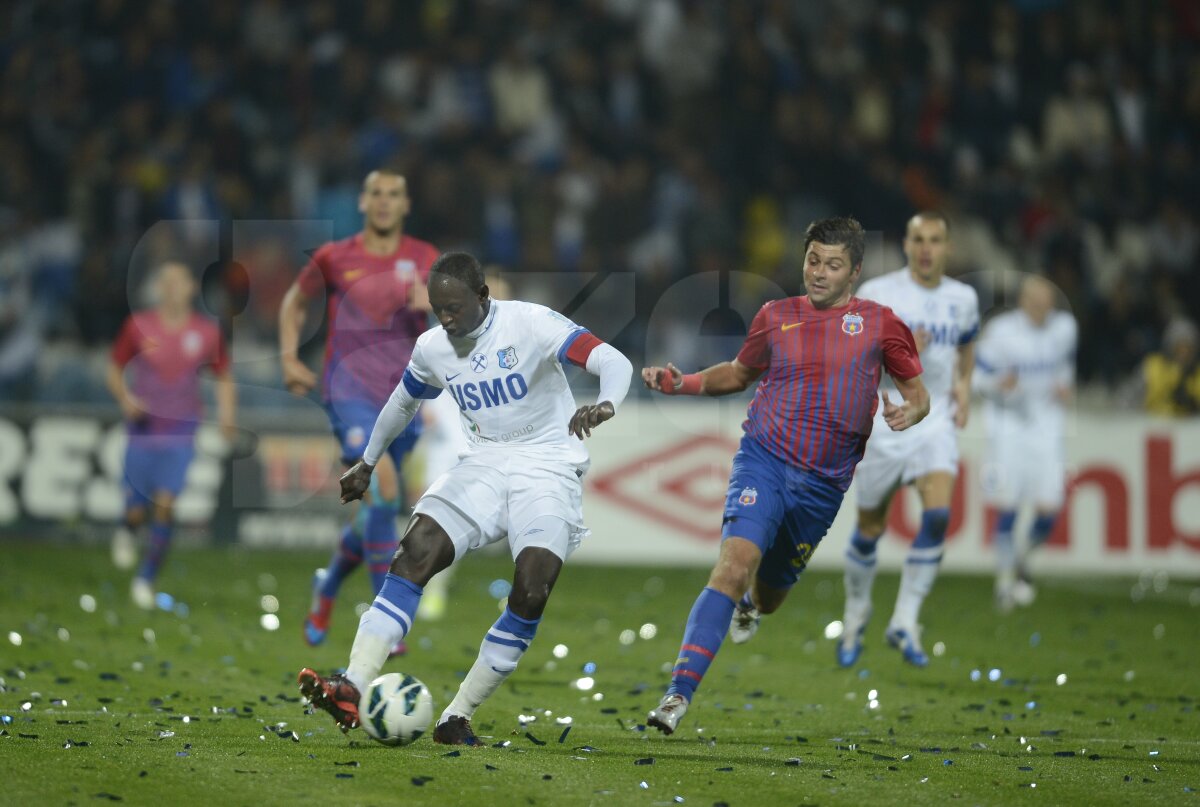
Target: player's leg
x,y
706,627
753,512
138,487
171,458
537,569
425,550
543,521
1048,500
1003,484
347,556
921,566
859,573
876,480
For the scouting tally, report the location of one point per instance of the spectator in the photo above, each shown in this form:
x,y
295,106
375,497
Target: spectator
x,y
1172,377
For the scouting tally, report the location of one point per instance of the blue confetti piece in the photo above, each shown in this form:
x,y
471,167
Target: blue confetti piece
x,y
589,668
499,589
1035,639
947,762
164,601
1031,705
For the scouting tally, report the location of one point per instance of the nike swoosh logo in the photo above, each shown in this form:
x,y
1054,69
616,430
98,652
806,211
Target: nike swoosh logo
x,y
790,325
452,377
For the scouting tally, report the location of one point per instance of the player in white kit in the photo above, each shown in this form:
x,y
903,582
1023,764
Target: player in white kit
x,y
943,315
443,441
520,479
1026,372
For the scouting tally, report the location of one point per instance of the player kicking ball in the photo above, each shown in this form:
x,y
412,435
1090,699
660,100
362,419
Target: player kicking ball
x,y
943,315
820,358
521,478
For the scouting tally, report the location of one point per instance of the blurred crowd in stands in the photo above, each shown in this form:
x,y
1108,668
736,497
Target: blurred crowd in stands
x,y
663,138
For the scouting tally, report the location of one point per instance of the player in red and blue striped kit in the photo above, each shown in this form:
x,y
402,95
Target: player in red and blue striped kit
x,y
820,358
377,307
154,375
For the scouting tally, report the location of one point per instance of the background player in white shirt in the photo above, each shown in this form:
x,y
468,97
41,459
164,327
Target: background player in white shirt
x,y
943,315
520,478
1026,372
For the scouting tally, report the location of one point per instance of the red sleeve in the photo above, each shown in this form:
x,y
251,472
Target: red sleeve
x,y
312,279
220,362
579,346
756,350
900,358
126,345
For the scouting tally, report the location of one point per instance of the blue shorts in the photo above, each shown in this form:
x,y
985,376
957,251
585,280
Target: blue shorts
x,y
156,464
784,510
352,422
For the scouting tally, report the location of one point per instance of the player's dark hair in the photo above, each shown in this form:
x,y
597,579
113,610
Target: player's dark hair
x,y
932,215
844,231
462,266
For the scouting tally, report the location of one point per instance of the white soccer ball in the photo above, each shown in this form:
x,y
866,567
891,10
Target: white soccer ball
x,y
395,709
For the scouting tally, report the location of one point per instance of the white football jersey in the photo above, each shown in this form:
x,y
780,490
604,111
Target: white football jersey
x,y
948,313
1043,359
507,379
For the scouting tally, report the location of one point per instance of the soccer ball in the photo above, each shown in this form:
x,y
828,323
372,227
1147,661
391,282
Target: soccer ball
x,y
395,709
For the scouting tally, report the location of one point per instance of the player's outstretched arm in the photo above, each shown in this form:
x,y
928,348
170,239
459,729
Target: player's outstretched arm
x,y
292,313
725,378
915,406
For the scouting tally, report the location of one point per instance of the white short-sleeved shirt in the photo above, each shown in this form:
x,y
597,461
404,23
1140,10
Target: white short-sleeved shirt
x,y
1043,359
950,315
507,378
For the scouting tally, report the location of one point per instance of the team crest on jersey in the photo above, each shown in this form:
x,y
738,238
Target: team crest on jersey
x,y
508,357
356,436
852,324
405,269
748,496
479,362
192,343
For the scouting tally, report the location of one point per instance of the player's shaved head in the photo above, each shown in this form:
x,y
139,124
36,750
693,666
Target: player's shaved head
x,y
1036,298
926,216
381,173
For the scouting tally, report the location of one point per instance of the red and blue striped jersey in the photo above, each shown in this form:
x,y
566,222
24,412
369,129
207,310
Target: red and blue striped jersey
x,y
814,404
371,329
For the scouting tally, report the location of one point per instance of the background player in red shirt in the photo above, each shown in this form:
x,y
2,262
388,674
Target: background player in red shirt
x,y
377,306
805,430
155,377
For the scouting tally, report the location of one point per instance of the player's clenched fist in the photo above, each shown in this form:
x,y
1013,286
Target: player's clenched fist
x,y
356,481
666,380
587,418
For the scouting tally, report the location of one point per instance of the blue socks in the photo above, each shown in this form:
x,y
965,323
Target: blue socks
x,y
346,558
160,541
379,542
1043,525
706,628
862,549
398,598
932,535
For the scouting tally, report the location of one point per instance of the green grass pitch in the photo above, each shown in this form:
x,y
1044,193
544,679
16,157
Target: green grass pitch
x,y
199,706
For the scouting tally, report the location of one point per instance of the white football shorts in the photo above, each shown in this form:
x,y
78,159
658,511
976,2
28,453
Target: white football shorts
x,y
490,496
898,458
1024,471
